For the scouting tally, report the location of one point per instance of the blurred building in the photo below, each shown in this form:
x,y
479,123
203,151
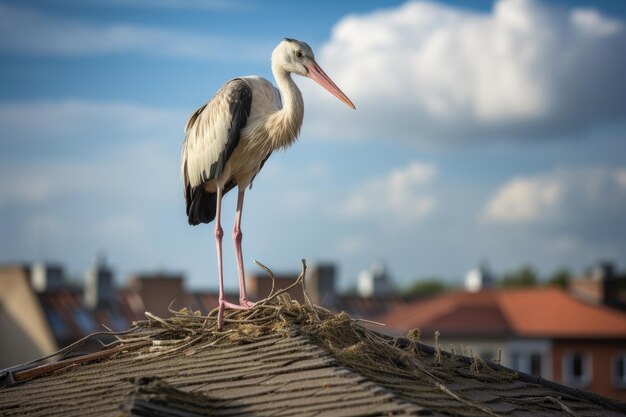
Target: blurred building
x,y
44,312
601,285
543,331
479,278
321,287
39,300
375,282
99,289
25,331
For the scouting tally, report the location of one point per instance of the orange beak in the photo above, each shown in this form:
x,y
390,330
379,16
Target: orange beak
x,y
318,75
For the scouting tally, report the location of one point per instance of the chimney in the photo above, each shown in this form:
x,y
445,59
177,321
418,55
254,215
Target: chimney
x,y
479,278
601,286
47,277
603,271
157,291
99,289
320,283
374,282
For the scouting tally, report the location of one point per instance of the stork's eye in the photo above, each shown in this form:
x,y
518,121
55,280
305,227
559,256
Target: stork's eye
x,y
299,54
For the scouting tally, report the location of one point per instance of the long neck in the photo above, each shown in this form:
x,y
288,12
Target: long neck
x,y
284,125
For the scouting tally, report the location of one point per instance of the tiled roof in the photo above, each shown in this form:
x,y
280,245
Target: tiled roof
x,y
283,359
70,320
535,312
366,307
583,320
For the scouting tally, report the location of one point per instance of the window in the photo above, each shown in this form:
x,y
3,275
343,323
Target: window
x,y
84,321
56,322
618,370
516,361
118,322
577,369
530,362
535,364
488,356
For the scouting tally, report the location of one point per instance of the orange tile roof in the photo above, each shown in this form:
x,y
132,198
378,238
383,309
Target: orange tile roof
x,y
553,313
534,312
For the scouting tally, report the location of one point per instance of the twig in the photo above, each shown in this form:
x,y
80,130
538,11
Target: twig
x,y
270,273
437,357
68,348
56,366
370,322
555,400
158,319
169,307
466,402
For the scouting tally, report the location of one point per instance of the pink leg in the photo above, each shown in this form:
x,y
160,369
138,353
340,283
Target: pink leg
x,y
219,233
237,236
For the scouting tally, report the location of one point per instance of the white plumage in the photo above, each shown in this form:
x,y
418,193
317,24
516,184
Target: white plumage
x,y
207,134
228,140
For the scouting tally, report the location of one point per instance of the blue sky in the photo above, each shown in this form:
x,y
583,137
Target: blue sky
x,y
483,131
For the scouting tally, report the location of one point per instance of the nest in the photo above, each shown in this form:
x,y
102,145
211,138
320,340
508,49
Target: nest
x,y
346,338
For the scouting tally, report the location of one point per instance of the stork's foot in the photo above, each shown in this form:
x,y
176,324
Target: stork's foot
x,y
246,304
237,306
223,304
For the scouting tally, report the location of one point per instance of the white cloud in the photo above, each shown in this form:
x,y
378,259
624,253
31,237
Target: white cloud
x,y
400,197
350,245
121,226
318,170
585,200
28,188
124,174
525,199
566,244
72,116
120,200
43,225
297,199
39,129
208,5
425,71
594,24
620,178
27,31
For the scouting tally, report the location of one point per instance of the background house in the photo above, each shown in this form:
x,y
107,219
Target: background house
x,y
544,331
41,310
25,332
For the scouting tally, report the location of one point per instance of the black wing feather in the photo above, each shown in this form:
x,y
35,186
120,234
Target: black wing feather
x,y
201,204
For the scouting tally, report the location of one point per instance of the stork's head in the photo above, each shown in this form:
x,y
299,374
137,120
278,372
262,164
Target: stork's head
x,y
297,57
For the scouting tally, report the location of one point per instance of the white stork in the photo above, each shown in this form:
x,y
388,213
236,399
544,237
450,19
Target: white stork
x,y
228,140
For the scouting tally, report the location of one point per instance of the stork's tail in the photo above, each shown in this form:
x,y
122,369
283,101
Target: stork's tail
x,y
201,205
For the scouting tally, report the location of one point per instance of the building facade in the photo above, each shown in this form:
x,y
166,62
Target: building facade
x,y
546,332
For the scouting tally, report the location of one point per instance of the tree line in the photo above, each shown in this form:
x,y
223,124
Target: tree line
x,y
522,277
